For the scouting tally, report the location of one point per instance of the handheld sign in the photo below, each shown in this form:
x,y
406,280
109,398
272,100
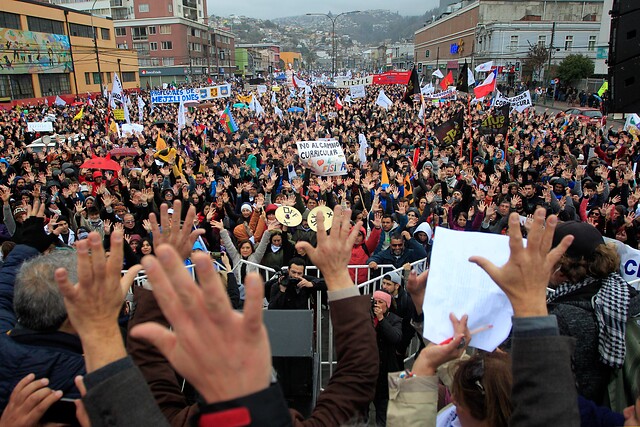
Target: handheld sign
x,y
313,218
288,216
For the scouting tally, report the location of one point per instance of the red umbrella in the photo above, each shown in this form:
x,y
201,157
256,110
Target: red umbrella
x,y
124,151
103,163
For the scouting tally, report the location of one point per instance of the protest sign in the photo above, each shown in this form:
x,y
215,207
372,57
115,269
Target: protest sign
x,y
364,81
174,96
118,114
449,94
357,92
214,92
40,126
131,128
496,123
519,102
451,130
392,78
261,89
324,157
629,262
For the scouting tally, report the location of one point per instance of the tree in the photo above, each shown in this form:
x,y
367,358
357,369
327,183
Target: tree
x,y
575,67
534,62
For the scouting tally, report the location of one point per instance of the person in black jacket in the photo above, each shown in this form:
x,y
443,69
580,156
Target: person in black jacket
x,y
389,335
293,290
402,306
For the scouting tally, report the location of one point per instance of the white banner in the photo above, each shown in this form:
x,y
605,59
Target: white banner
x,y
39,127
364,81
325,158
519,102
214,92
629,262
451,93
357,92
132,128
261,89
174,96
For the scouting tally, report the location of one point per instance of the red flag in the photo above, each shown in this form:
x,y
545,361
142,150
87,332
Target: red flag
x,y
416,157
447,81
338,103
209,81
488,86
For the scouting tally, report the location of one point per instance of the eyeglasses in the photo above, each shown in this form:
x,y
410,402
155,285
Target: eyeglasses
x,y
594,214
397,245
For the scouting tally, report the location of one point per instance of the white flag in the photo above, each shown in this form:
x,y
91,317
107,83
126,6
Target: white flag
x,y
362,152
428,89
255,105
470,79
632,123
278,112
127,117
383,100
421,112
182,119
485,67
307,90
261,89
273,98
117,96
59,101
140,109
357,91
438,74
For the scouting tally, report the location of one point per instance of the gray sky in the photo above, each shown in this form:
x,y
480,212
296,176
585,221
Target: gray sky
x,y
269,9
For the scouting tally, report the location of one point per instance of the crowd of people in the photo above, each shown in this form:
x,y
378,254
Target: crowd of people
x,y
199,195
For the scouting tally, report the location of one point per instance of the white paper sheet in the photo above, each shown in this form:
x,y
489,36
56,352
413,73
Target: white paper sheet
x,y
458,286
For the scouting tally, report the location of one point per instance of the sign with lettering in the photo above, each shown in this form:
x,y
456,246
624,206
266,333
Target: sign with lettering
x,y
323,157
174,96
39,127
364,81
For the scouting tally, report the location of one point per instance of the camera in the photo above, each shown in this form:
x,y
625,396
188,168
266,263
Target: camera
x,y
216,255
373,306
292,282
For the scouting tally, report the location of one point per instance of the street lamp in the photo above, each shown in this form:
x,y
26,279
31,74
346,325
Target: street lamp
x,y
95,44
333,20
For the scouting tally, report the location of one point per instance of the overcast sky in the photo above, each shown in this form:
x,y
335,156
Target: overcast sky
x,y
269,9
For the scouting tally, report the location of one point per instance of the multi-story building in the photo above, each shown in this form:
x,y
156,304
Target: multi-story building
x,y
503,31
50,51
223,49
399,56
265,57
293,58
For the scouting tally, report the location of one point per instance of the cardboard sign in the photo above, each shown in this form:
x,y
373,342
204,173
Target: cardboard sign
x,y
39,126
324,158
118,114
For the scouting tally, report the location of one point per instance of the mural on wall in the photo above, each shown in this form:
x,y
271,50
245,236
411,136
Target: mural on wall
x,y
28,52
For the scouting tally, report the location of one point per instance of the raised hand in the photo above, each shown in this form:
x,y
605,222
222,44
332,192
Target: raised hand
x,y
28,402
181,238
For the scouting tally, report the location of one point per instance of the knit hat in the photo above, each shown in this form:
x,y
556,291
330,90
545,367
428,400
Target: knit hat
x,y
271,208
394,277
383,296
586,238
246,206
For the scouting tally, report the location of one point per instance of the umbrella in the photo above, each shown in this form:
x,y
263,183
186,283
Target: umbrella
x,y
123,151
206,105
163,123
103,163
240,105
191,103
295,110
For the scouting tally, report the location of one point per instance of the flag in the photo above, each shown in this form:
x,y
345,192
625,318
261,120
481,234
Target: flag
x,y
447,81
245,98
226,120
338,103
384,176
470,79
182,119
362,152
421,112
487,86
127,117
484,67
117,95
413,87
256,106
632,124
428,89
298,83
383,100
59,101
140,109
273,98
80,115
496,122
278,112
603,88
438,74
113,127
46,102
452,130
416,157
462,84
408,188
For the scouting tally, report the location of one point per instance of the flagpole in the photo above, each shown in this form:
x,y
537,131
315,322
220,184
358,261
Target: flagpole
x,y
470,130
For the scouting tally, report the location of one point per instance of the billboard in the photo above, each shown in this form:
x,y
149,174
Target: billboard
x,y
29,52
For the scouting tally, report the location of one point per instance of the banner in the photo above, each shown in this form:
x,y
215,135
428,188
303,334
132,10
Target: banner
x,y
357,92
449,94
364,81
324,157
451,131
261,89
392,78
174,96
39,127
118,114
496,123
629,261
519,102
29,52
117,94
214,92
132,128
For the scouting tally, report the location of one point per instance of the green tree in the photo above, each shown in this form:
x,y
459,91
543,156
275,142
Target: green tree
x,y
575,67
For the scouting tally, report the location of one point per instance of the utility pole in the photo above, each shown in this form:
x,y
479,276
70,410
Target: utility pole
x,y
553,34
95,45
119,67
333,20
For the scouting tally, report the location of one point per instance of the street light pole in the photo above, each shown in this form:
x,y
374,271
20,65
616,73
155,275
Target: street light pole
x,y
95,45
333,20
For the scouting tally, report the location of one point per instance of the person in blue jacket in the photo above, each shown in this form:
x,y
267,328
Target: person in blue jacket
x,y
403,249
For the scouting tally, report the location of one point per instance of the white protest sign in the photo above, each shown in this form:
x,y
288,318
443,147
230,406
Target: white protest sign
x,y
132,128
174,96
214,92
324,157
519,102
451,93
40,126
364,81
629,262
458,286
357,92
261,89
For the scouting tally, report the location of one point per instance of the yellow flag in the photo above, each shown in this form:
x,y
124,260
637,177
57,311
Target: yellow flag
x,y
384,179
603,88
245,98
80,115
161,144
113,127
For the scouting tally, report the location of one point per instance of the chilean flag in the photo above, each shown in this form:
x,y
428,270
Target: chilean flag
x,y
338,103
487,86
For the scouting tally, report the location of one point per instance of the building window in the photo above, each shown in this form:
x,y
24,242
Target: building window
x,y
96,78
141,48
43,25
139,33
143,7
87,78
165,29
105,34
513,45
122,46
568,42
151,30
121,31
196,47
592,43
54,84
167,45
128,76
153,46
168,61
542,41
79,30
108,77
10,20
17,86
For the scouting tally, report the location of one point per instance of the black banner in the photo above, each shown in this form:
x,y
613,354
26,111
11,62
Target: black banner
x,y
451,131
496,123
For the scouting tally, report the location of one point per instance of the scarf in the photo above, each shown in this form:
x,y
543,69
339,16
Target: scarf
x,y
611,307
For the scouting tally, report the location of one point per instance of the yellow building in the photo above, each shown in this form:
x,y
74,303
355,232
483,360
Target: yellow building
x,y
293,58
49,50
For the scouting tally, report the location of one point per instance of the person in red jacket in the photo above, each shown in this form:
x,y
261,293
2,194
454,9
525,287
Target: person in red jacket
x,y
362,250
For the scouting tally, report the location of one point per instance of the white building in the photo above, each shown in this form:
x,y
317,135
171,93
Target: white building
x,y
399,56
